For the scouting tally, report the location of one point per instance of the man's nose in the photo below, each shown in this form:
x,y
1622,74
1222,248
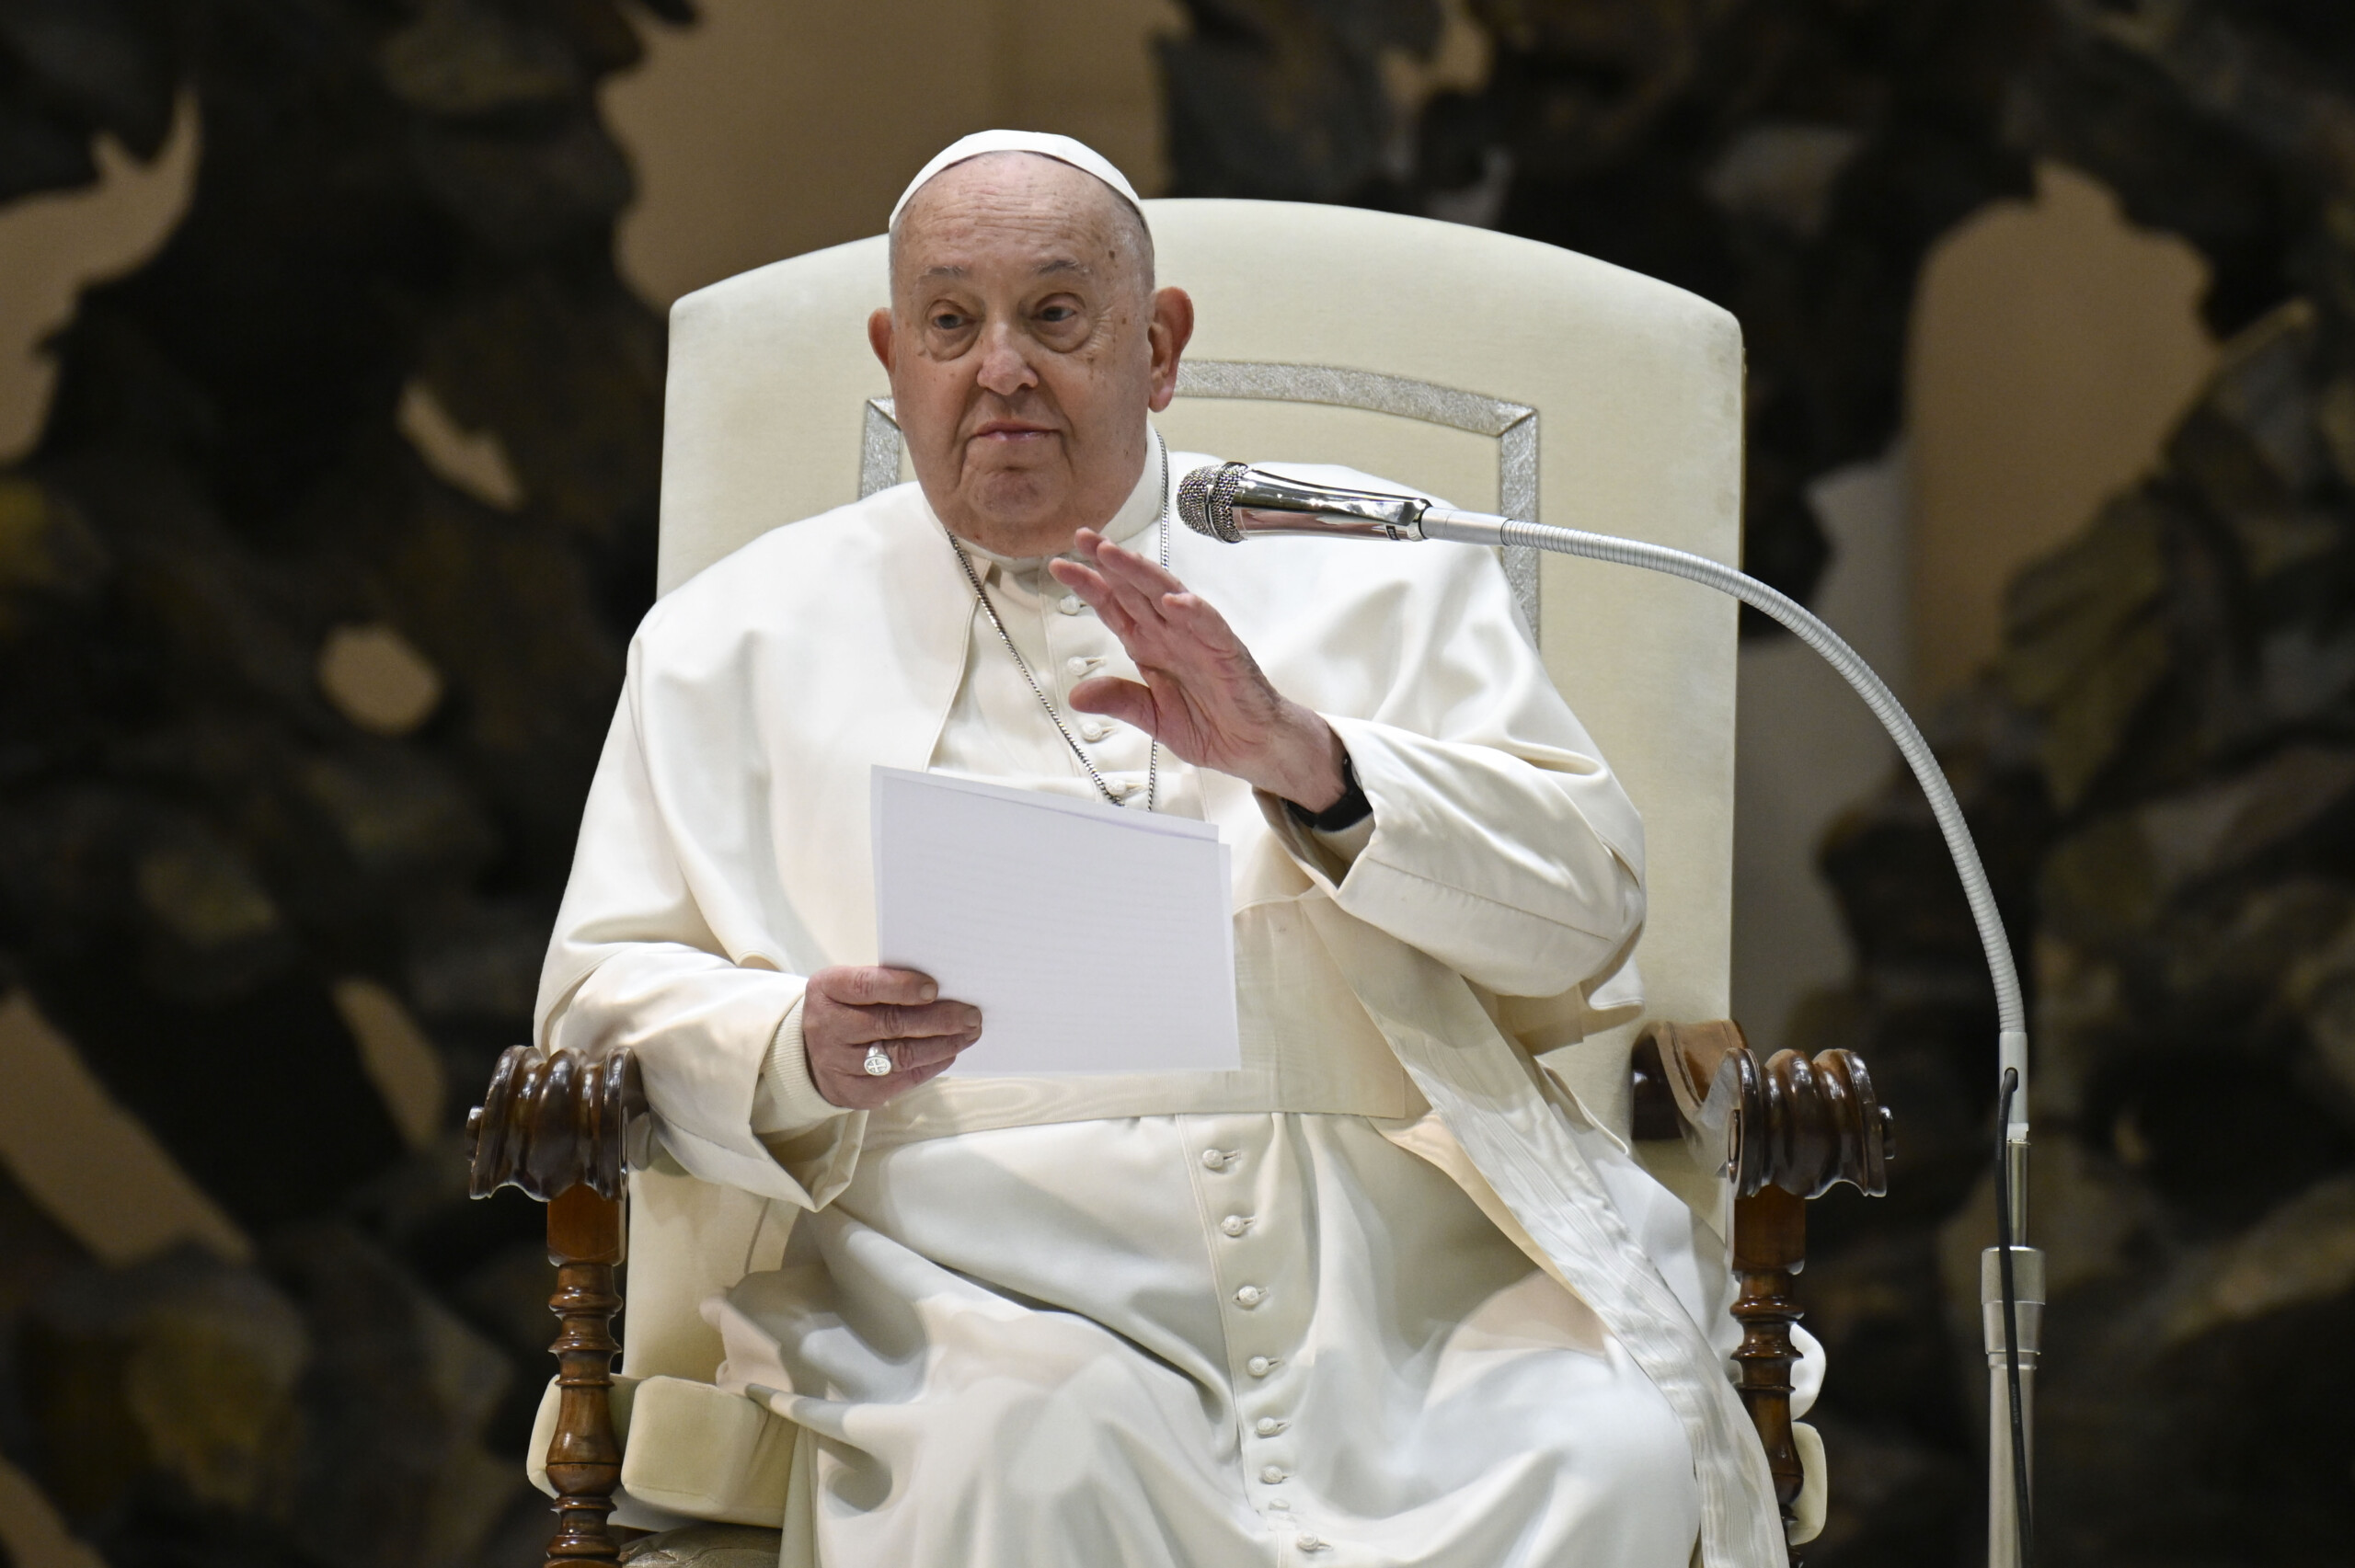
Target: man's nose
x,y
1005,363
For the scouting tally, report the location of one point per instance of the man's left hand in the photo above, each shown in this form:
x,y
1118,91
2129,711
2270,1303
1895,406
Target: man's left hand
x,y
1203,695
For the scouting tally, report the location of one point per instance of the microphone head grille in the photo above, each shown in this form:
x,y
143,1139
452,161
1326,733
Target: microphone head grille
x,y
1206,500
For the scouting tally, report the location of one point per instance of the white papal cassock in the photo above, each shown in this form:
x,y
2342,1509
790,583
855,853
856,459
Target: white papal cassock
x,y
1288,1314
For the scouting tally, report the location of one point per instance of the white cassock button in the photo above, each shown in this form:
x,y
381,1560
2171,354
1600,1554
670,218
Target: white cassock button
x,y
1216,1158
1080,664
1273,1475
1070,604
1092,731
1278,1504
1234,1224
1260,1366
1126,787
1268,1425
1309,1543
1249,1296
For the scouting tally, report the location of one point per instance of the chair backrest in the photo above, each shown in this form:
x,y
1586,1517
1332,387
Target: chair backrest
x,y
1495,371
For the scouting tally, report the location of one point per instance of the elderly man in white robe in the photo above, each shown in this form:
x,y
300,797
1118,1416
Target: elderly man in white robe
x,y
1279,1315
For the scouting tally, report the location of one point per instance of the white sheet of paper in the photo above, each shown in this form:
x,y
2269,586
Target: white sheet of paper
x,y
1094,939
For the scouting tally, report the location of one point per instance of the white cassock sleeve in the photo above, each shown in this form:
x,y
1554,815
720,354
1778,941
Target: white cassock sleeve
x,y
634,964
1501,844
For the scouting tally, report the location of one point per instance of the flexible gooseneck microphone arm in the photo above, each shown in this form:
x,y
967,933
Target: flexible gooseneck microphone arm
x,y
1233,502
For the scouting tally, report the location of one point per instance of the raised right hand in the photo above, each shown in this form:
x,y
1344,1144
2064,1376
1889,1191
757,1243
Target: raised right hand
x,y
851,1006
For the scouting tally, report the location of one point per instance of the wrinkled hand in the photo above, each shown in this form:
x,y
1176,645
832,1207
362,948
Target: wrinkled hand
x,y
847,1008
1203,695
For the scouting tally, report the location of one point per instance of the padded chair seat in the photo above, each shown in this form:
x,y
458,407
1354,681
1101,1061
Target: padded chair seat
x,y
689,1449
705,1546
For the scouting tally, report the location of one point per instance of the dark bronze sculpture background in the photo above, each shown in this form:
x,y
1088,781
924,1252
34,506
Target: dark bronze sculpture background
x,y
195,846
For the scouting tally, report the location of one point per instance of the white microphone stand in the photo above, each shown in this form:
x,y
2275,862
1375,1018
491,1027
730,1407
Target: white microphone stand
x,y
1233,502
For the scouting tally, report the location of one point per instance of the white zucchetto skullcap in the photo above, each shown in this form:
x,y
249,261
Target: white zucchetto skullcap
x,y
1063,149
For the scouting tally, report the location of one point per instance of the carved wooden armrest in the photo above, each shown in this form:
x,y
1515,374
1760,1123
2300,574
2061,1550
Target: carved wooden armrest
x,y
556,1125
1781,1133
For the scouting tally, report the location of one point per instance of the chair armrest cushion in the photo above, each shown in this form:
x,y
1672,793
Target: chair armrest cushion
x,y
688,1449
1815,1489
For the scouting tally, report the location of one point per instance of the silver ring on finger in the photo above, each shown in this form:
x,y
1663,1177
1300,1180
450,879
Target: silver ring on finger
x,y
878,1061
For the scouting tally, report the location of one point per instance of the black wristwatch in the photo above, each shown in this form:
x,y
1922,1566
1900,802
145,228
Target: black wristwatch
x,y
1352,808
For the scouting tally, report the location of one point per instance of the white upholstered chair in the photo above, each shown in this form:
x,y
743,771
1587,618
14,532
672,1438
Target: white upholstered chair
x,y
1495,371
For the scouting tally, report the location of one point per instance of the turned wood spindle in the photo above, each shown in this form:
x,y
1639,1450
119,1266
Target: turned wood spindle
x,y
1769,1249
585,1459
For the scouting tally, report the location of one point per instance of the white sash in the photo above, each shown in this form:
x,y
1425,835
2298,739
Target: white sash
x,y
1488,1094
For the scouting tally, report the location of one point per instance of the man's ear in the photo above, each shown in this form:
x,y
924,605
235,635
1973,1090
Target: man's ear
x,y
1171,329
878,338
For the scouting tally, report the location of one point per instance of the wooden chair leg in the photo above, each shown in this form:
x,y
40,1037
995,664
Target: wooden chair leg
x,y
585,1459
1769,1247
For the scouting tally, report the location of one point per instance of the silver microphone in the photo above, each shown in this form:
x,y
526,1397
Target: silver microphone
x,y
1234,501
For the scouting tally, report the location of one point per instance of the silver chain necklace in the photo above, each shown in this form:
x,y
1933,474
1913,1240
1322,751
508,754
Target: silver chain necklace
x,y
981,598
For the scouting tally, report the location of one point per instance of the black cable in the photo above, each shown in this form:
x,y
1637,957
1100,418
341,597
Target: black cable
x,y
2011,1313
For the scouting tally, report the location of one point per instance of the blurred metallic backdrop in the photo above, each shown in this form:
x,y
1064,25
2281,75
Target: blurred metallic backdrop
x,y
330,357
